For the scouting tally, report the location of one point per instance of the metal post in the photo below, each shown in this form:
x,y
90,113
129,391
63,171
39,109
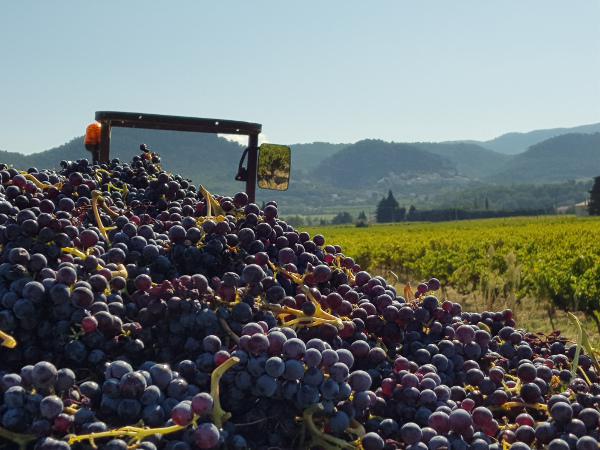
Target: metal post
x,y
104,142
252,167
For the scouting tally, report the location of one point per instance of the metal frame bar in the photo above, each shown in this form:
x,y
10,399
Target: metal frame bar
x,y
109,119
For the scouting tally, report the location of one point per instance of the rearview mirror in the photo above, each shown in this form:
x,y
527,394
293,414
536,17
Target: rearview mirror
x,y
273,170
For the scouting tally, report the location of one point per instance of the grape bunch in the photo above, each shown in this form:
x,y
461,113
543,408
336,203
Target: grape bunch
x,y
137,310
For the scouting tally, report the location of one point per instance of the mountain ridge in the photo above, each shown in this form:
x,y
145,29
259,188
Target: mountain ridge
x,y
560,158
515,142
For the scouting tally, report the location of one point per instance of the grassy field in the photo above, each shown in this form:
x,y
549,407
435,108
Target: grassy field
x,y
488,264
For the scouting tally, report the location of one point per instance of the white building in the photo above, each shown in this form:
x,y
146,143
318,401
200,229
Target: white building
x,y
581,209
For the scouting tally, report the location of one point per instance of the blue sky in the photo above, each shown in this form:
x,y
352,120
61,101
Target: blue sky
x,y
334,71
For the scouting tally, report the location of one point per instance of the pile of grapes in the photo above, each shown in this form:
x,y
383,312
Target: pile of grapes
x,y
138,311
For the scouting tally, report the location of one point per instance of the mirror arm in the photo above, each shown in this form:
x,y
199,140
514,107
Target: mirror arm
x,y
242,174
248,173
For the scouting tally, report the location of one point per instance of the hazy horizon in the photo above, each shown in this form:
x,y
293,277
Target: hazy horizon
x,y
242,140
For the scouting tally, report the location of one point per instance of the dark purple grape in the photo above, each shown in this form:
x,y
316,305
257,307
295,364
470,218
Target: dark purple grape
x,y
274,367
586,443
265,386
465,334
372,441
51,406
182,414
44,374
66,275
459,420
359,380
338,422
133,384
439,421
561,412
339,372
545,433
411,433
202,403
293,348
117,369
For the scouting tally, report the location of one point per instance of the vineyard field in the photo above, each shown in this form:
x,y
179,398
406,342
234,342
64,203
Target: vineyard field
x,y
555,260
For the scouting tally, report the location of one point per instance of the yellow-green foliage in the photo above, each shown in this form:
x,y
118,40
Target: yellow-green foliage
x,y
554,258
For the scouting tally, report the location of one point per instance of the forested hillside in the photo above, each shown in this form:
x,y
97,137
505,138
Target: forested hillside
x,y
566,157
305,157
471,160
369,162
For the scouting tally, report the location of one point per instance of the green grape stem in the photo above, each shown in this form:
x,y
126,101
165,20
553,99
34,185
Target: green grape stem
x,y
212,206
96,195
22,440
318,437
583,341
579,340
7,340
540,406
318,317
218,415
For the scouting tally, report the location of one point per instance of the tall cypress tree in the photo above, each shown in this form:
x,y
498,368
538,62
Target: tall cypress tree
x,y
388,210
381,212
393,205
594,203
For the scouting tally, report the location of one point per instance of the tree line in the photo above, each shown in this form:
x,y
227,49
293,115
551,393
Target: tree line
x,y
389,210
